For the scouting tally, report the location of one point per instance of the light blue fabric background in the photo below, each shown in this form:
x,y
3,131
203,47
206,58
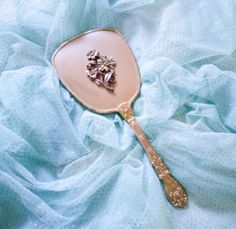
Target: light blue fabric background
x,y
62,166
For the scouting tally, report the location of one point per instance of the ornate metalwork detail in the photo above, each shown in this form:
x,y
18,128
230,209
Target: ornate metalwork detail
x,y
173,189
101,70
126,111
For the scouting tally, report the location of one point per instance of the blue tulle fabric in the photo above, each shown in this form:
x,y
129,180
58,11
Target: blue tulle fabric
x,y
62,166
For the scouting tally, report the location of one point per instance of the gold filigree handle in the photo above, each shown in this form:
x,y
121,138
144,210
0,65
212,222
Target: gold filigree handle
x,y
173,189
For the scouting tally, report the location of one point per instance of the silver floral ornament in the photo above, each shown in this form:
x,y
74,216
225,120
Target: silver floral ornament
x,y
101,70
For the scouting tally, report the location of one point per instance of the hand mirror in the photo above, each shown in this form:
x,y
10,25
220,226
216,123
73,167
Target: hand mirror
x,y
98,68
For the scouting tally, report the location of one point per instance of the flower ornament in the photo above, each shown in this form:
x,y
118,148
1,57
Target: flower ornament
x,y
101,70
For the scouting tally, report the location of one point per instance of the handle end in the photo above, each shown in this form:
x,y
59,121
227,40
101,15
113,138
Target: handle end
x,y
175,192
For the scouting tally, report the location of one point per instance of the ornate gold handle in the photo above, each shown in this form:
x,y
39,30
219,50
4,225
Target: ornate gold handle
x,y
173,189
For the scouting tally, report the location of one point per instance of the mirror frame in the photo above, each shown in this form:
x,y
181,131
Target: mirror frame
x,y
105,111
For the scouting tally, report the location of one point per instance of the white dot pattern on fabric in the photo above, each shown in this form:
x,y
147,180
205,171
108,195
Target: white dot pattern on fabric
x,y
62,166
